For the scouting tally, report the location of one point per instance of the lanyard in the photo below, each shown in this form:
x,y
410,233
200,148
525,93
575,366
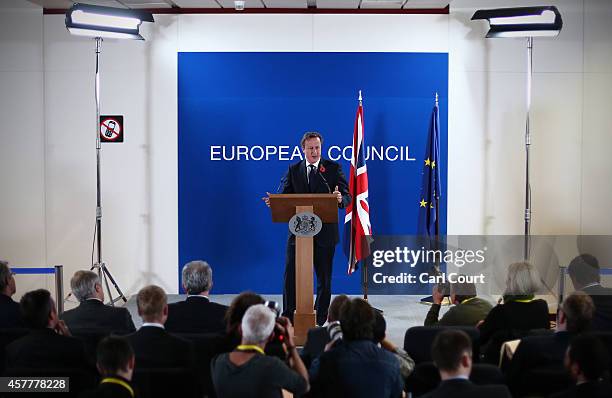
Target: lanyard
x,y
120,382
466,300
524,301
248,347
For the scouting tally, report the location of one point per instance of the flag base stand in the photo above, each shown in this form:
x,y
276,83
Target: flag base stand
x,y
364,286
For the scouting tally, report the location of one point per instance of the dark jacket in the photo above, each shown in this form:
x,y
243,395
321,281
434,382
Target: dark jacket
x,y
602,298
92,314
591,389
461,388
154,347
327,178
356,369
43,348
197,314
10,313
316,340
110,389
467,313
515,316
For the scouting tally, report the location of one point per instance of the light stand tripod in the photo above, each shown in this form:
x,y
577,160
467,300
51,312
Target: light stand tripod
x,y
99,265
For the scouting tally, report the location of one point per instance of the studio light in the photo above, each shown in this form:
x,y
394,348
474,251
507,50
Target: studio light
x,y
524,22
101,22
542,21
107,22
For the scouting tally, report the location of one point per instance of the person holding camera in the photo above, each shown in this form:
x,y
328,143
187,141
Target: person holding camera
x,y
353,365
248,371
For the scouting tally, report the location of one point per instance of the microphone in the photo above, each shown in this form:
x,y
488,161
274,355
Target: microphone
x,y
281,183
325,181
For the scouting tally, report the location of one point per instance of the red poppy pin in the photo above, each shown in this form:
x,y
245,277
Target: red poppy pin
x,y
322,169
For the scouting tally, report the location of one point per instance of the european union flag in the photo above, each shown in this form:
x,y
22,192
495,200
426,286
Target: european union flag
x,y
430,189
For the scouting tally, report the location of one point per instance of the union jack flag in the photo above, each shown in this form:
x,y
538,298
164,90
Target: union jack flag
x,y
357,227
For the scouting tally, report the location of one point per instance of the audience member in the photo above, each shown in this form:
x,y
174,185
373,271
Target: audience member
x,y
468,309
248,372
519,313
48,345
587,362
153,346
584,273
115,363
380,337
355,366
92,314
197,314
10,313
318,337
536,352
452,354
235,313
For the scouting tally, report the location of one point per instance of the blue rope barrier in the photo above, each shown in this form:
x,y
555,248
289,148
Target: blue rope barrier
x,y
33,270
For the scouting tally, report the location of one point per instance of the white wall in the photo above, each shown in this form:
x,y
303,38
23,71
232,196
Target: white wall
x,y
48,212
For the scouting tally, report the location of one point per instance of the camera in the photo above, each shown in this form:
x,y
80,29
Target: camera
x,y
273,305
335,331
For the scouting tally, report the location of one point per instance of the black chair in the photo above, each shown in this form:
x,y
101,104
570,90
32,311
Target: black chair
x,y
90,339
206,346
79,379
426,377
418,341
7,336
542,382
166,382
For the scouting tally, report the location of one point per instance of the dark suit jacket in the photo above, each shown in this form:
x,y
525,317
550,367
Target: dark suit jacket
x,y
156,348
602,298
460,388
315,344
94,315
43,348
592,389
109,390
537,352
196,315
295,181
10,313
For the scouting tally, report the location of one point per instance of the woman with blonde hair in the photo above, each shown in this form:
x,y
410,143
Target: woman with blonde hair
x,y
518,313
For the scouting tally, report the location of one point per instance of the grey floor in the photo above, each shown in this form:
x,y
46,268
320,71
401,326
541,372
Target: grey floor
x,y
401,312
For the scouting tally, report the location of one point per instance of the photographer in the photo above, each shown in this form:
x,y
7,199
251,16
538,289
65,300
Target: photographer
x,y
247,371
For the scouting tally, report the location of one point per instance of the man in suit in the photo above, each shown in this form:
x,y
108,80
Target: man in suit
x,y
92,314
115,362
314,175
587,362
584,273
48,345
452,354
197,314
10,313
153,345
538,352
468,309
318,337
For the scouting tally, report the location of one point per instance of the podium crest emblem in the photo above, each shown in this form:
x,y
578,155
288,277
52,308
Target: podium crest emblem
x,y
305,224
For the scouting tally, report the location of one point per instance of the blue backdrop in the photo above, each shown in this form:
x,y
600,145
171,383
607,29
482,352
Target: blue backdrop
x,y
242,103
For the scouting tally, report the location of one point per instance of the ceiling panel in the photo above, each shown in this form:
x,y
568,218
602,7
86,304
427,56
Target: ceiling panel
x,y
247,3
426,3
196,3
382,4
286,3
67,3
145,3
348,4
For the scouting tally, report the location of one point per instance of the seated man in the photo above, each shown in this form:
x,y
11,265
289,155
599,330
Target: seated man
x,y
318,337
10,313
468,309
584,273
153,346
48,345
587,362
248,372
197,314
355,366
115,362
574,317
452,354
92,314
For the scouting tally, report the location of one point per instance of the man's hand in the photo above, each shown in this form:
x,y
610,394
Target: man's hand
x,y
266,199
62,328
288,330
338,194
436,295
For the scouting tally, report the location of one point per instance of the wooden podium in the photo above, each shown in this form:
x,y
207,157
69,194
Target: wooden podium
x,y
285,206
